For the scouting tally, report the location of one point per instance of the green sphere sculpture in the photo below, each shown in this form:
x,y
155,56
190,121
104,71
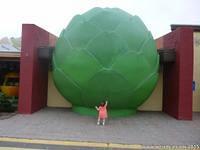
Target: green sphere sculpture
x,y
105,53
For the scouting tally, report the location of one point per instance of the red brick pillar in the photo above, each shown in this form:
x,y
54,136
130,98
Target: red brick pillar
x,y
33,72
178,76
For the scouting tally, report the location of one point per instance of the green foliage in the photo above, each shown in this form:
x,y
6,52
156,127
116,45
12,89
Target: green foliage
x,y
8,104
2,96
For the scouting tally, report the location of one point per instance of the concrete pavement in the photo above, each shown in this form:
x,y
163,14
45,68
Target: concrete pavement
x,y
145,128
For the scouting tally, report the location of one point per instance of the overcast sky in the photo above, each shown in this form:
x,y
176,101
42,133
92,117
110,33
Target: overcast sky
x,y
54,15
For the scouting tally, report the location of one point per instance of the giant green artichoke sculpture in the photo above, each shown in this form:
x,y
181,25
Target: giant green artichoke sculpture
x,y
102,54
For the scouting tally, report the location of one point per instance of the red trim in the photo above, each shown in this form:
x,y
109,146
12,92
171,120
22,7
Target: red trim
x,y
178,76
33,72
185,48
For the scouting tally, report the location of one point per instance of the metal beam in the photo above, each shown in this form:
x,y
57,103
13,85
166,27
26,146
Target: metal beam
x,y
45,52
167,55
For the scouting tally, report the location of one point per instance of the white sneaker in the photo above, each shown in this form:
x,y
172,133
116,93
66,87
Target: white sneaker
x,y
98,123
103,123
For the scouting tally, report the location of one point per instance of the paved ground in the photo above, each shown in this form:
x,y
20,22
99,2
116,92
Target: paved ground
x,y
146,128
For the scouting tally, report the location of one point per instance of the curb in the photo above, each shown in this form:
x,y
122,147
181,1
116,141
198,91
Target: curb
x,y
71,143
85,144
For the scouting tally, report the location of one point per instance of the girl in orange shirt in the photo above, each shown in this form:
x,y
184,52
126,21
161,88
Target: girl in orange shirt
x,y
102,113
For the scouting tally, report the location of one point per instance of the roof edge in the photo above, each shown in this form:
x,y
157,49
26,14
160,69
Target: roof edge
x,y
194,27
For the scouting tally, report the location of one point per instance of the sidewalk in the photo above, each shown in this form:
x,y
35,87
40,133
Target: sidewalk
x,y
145,128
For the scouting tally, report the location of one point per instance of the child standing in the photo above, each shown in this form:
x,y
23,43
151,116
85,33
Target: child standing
x,y
102,113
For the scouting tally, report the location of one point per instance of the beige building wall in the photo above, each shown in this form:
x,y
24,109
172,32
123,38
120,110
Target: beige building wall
x,y
154,103
54,98
196,73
